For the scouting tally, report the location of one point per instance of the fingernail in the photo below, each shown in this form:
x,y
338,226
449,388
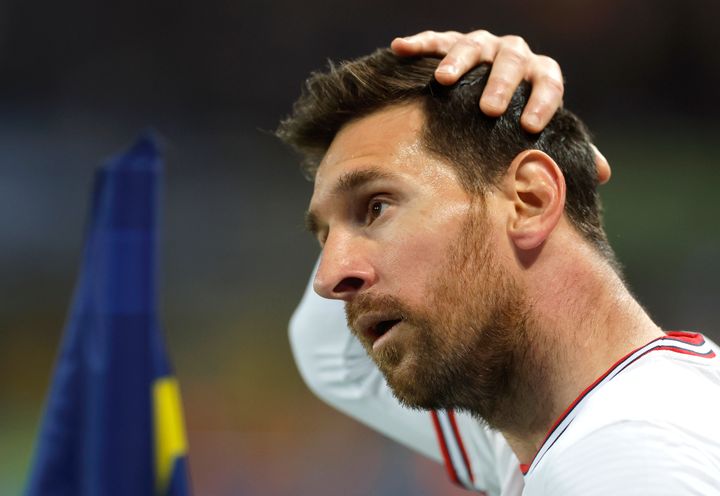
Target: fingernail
x,y
447,69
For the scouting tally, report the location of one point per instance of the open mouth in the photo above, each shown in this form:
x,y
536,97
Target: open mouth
x,y
382,327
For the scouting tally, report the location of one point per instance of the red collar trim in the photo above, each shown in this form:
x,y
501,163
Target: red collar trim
x,y
678,341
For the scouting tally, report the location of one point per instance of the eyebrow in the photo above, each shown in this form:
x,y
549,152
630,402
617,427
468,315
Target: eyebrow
x,y
348,182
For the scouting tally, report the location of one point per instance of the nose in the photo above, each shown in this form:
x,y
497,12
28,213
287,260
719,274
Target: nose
x,y
344,270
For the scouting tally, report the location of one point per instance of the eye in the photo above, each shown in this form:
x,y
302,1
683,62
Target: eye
x,y
376,207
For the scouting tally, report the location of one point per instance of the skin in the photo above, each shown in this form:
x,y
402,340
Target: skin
x,y
359,148
391,219
513,62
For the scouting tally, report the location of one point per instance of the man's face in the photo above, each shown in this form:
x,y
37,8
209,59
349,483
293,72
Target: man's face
x,y
412,255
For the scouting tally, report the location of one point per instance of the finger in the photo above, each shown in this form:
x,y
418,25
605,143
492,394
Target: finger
x,y
469,51
546,95
509,69
425,43
602,166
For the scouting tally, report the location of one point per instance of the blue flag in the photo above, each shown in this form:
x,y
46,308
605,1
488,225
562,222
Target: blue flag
x,y
113,423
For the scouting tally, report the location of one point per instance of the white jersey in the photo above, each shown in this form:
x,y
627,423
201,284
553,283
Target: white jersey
x,y
649,426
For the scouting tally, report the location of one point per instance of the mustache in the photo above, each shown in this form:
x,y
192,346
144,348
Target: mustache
x,y
366,303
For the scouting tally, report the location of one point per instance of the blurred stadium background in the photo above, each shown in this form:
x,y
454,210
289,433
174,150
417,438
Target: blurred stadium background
x,y
79,79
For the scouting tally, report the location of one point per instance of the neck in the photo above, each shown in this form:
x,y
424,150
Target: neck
x,y
586,320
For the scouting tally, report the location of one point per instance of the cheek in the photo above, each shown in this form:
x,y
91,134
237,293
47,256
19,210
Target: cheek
x,y
414,260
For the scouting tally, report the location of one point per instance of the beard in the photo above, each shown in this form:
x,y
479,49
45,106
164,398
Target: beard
x,y
473,346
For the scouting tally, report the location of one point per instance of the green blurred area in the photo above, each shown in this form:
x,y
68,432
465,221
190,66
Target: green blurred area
x,y
661,216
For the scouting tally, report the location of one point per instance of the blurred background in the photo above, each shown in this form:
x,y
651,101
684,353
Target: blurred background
x,y
79,79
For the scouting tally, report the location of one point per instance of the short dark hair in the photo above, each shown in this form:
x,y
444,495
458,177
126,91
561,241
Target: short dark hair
x,y
480,147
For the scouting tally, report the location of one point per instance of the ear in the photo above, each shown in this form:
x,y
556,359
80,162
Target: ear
x,y
536,187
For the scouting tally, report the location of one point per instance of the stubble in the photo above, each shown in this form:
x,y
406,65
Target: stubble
x,y
474,346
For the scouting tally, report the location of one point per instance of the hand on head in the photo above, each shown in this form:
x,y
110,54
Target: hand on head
x,y
512,61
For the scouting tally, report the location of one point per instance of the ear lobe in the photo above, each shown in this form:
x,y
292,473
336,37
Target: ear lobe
x,y
537,190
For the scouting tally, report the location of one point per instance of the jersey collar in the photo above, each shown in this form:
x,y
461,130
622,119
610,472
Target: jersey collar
x,y
678,341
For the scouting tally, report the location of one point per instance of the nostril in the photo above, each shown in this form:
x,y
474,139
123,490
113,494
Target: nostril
x,y
348,284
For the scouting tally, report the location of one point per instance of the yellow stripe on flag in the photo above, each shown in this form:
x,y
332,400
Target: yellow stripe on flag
x,y
170,442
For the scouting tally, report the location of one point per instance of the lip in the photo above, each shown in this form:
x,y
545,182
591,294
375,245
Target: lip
x,y
375,326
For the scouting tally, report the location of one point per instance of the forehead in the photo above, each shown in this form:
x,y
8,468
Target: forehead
x,y
387,141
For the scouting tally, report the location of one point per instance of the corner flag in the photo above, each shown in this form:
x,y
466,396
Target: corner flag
x,y
113,423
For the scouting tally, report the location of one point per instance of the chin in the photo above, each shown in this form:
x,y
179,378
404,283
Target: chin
x,y
411,398
412,388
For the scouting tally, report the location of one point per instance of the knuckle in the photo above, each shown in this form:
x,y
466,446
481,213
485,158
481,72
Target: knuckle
x,y
552,83
452,38
481,34
515,55
514,42
548,62
543,106
471,43
549,66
